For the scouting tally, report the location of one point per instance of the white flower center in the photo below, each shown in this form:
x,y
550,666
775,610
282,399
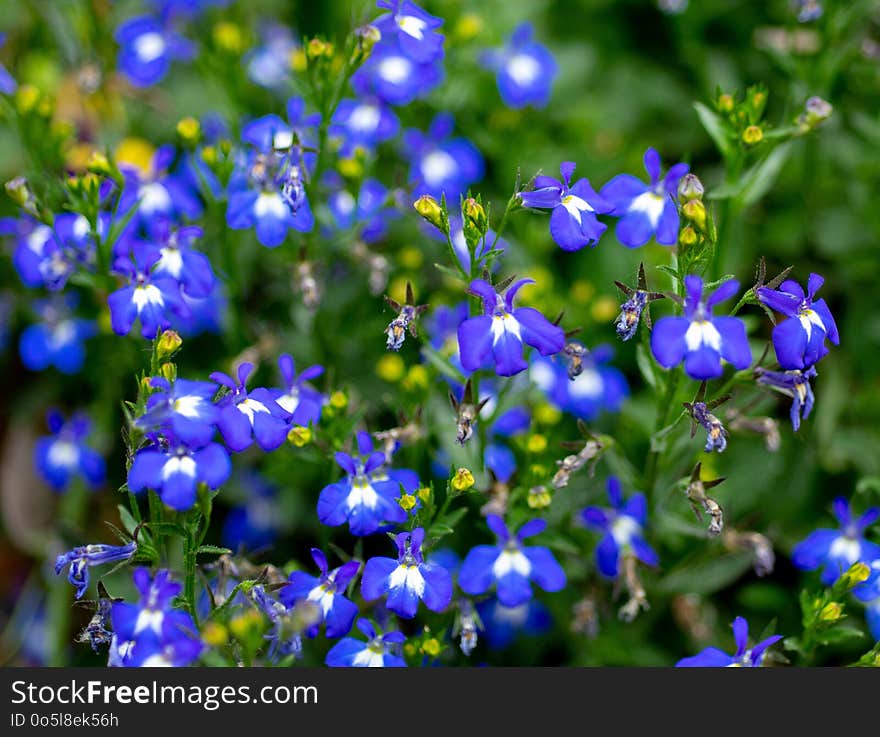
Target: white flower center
x,y
523,69
845,548
809,318
63,453
147,294
270,203
154,198
395,69
149,46
575,206
282,139
412,26
437,167
587,384
149,619
650,204
362,495
368,658
623,529
543,376
700,333
249,407
62,334
410,577
364,118
37,240
345,202
188,405
502,324
321,596
511,560
171,260
179,464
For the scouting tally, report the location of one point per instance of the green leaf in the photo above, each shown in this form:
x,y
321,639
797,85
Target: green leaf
x,y
128,522
706,576
168,528
441,364
840,633
212,550
762,176
646,366
715,127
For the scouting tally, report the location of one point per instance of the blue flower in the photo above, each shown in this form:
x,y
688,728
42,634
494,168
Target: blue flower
x,y
497,337
799,340
298,398
646,210
510,565
573,222
414,29
712,657
394,77
178,260
285,635
525,69
267,189
150,298
622,529
7,84
363,123
599,387
698,338
869,592
407,580
794,384
147,48
185,408
58,340
440,164
82,558
379,651
65,455
151,633
268,65
253,524
369,211
367,497
328,592
503,624
836,550
246,416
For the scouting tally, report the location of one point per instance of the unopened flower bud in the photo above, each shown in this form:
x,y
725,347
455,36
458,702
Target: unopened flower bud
x,y
299,436
688,236
20,192
695,211
857,573
725,103
690,188
169,343
752,135
831,612
168,371
463,480
99,164
316,48
429,208
407,502
539,497
474,216
189,130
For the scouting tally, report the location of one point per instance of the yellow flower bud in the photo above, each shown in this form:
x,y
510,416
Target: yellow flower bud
x,y
695,211
463,480
137,152
338,400
168,371
429,208
752,135
351,168
215,634
688,236
209,155
189,130
168,344
315,49
474,215
424,494
536,443
539,498
431,647
831,612
410,258
857,573
416,378
298,61
605,309
581,291
97,163
228,37
547,414
390,368
725,103
299,436
407,502
26,98
468,27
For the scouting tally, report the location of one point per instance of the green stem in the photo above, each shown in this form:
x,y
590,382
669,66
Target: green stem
x,y
652,462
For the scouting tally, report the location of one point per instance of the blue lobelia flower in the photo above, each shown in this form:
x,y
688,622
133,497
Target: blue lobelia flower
x,y
869,593
268,65
298,398
369,211
367,497
173,470
646,210
395,78
622,527
836,550
573,222
163,198
440,164
799,340
267,189
599,387
7,84
246,416
700,339
414,29
511,565
744,657
285,635
147,48
407,580
254,523
65,455
525,69
363,123
178,260
57,340
497,337
82,558
150,298
327,591
185,408
151,633
503,624
379,651
794,384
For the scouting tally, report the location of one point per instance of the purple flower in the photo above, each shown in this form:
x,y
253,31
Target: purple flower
x,y
185,408
298,398
799,340
394,77
622,527
367,497
794,384
407,580
363,123
414,29
379,651
178,260
440,164
510,565
65,455
246,416
573,222
837,550
327,591
58,340
81,558
712,657
700,339
147,48
646,210
497,337
525,69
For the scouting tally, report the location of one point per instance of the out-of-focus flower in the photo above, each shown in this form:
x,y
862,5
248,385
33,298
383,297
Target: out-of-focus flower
x,y
744,657
414,29
57,340
394,77
363,123
369,211
7,84
525,69
147,48
65,455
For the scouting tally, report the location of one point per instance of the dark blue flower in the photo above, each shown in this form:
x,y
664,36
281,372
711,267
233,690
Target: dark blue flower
x,y
794,384
439,163
503,624
369,211
367,497
363,123
799,340
836,550
58,340
82,558
185,408
408,579
178,260
744,657
510,565
254,523
525,69
413,28
298,398
700,339
394,77
151,633
147,48
379,651
65,455
7,84
622,527
646,210
327,591
573,222
497,337
246,416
